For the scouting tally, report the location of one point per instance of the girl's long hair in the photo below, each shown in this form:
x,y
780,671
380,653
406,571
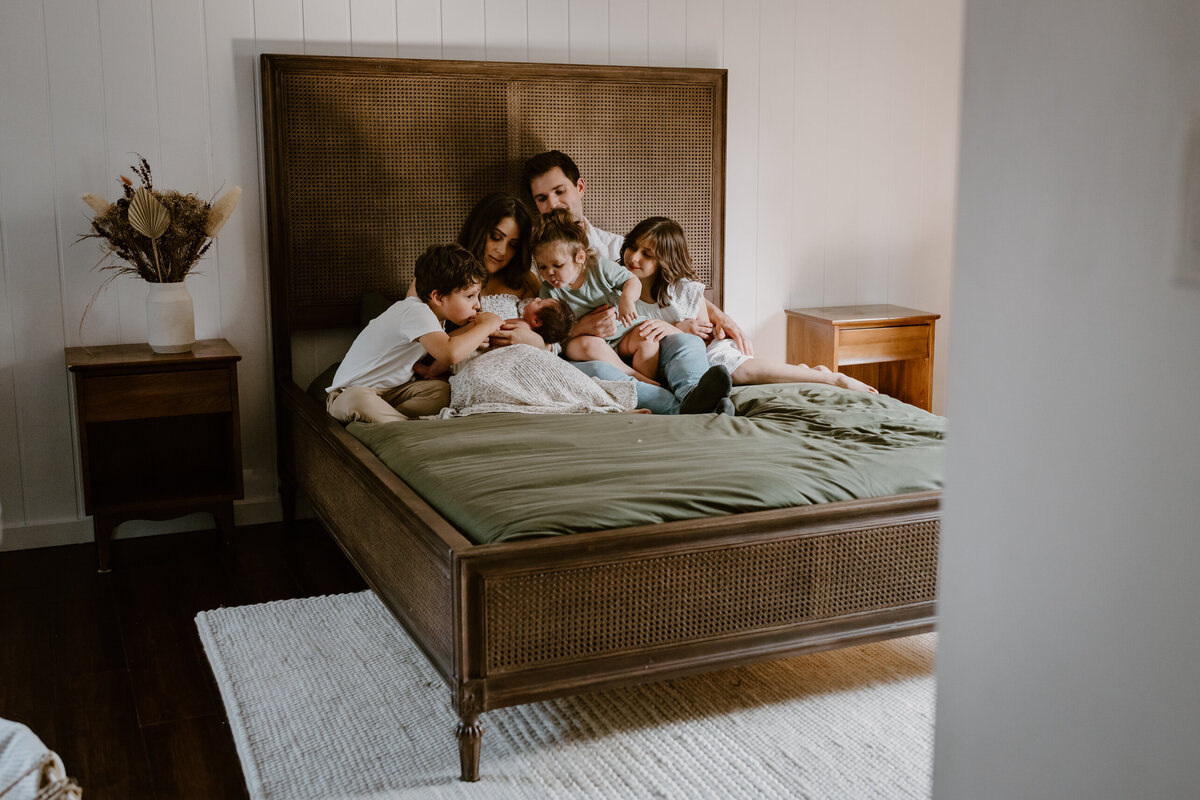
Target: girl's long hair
x,y
666,237
560,226
484,217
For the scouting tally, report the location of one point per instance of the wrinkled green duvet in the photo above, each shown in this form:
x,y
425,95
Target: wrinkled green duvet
x,y
506,476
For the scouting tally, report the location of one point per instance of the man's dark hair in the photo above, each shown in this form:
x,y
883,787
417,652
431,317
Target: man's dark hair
x,y
557,321
542,163
446,268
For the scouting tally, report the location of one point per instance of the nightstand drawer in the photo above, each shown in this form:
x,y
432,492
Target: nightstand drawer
x,y
109,398
876,345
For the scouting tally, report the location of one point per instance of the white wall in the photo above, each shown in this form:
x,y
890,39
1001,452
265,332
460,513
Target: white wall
x,y
1069,643
841,156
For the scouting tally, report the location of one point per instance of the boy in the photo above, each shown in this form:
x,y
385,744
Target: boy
x,y
375,382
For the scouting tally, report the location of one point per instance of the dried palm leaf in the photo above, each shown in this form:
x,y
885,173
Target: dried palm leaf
x,y
148,216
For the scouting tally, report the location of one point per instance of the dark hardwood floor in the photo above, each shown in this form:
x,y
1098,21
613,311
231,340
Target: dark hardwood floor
x,y
108,669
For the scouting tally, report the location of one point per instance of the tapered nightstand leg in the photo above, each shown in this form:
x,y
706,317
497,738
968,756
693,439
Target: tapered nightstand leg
x,y
103,526
223,516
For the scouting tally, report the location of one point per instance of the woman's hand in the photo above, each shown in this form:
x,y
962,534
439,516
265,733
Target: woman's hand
x,y
515,332
600,321
696,327
654,330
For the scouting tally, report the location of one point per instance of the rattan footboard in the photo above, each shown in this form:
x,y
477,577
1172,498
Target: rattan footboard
x,y
521,621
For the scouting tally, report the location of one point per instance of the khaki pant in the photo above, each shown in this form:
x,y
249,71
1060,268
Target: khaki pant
x,y
417,398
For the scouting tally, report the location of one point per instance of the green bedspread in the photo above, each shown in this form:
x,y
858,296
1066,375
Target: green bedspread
x,y
506,476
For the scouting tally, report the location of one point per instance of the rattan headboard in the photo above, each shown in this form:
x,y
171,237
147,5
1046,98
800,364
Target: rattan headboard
x,y
369,161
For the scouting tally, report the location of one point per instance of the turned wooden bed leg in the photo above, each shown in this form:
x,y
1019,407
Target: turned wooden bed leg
x,y
469,732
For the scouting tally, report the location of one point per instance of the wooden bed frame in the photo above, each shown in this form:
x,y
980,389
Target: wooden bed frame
x,y
354,150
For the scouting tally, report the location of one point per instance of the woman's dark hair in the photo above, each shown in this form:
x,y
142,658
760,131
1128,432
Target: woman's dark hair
x,y
665,235
483,219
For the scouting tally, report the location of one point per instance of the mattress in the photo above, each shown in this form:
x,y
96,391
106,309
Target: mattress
x,y
498,477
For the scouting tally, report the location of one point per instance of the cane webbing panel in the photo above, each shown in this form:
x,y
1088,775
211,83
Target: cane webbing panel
x,y
541,619
374,167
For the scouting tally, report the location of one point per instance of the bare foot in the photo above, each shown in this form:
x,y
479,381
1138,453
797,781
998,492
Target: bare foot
x,y
846,382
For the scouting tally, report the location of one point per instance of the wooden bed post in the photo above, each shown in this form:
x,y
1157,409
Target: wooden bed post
x,y
468,702
469,733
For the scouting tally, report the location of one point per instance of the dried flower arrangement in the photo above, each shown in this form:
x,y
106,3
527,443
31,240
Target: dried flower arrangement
x,y
157,235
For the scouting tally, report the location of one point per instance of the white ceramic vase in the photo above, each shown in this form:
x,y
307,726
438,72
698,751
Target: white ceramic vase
x,y
170,320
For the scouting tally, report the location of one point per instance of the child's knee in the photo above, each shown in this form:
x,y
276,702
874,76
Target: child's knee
x,y
586,348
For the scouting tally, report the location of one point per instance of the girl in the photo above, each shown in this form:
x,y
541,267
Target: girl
x,y
656,252
573,274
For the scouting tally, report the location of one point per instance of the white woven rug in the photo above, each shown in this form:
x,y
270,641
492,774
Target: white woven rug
x,y
327,698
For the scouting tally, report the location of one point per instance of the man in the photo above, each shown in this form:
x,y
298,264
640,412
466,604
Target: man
x,y
554,181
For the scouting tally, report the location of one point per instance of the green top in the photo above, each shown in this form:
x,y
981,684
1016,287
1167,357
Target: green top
x,y
601,286
507,476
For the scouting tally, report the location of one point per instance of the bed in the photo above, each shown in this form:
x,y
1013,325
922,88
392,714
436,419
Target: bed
x,y
370,160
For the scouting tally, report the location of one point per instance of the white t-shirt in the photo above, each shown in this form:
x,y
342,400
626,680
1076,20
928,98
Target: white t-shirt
x,y
607,245
383,355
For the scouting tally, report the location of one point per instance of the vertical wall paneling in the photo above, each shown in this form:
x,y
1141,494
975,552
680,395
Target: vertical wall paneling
x,y
629,32
705,24
904,133
846,139
279,26
12,501
549,27
130,128
941,43
589,31
887,76
776,117
45,439
327,27
506,32
373,28
76,117
667,26
462,30
184,124
741,160
810,167
239,249
419,28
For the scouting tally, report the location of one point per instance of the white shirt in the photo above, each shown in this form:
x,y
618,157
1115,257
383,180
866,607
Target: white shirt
x,y
383,355
607,245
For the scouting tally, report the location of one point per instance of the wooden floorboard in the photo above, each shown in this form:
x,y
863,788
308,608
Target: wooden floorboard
x,y
108,669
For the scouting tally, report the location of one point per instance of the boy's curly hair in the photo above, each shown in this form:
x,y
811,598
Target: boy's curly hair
x,y
446,268
557,321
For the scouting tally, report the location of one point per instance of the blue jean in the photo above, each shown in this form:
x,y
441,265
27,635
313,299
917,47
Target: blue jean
x,y
681,362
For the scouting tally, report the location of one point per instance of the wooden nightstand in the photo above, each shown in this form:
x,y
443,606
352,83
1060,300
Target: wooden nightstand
x,y
889,347
158,434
